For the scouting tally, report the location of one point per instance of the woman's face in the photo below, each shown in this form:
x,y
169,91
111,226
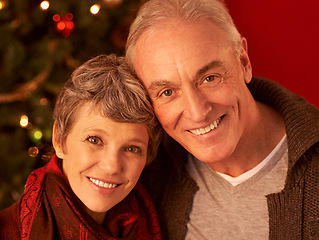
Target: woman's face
x,y
103,159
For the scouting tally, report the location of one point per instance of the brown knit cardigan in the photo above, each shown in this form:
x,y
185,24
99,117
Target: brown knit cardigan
x,y
293,212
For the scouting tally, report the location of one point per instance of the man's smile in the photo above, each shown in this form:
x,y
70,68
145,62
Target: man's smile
x,y
204,130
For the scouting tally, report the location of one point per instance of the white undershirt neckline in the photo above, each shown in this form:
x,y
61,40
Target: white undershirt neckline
x,y
245,176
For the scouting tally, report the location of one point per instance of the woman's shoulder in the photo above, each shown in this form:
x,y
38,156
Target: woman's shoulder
x,y
10,223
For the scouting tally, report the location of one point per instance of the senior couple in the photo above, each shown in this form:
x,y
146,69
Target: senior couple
x,y
239,158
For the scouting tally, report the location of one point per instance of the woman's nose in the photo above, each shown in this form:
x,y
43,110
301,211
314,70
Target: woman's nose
x,y
110,163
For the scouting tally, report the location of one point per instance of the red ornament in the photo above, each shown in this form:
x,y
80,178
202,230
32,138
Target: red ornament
x,y
65,25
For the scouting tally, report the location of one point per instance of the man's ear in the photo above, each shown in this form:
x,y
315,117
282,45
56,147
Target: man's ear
x,y
57,145
245,61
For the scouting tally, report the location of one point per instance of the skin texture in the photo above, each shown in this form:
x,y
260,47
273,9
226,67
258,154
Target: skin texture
x,y
194,77
99,148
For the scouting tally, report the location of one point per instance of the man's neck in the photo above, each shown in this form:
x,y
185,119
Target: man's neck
x,y
260,139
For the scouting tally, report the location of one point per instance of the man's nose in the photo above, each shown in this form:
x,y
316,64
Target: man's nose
x,y
196,105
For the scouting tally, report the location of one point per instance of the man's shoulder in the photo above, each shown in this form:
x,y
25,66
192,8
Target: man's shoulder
x,y
170,154
169,164
160,168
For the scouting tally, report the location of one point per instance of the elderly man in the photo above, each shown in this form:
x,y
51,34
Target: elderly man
x,y
242,157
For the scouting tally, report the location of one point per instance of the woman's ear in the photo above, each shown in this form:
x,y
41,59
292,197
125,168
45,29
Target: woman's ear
x,y
57,145
245,61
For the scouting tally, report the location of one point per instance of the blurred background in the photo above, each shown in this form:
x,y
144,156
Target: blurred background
x,y
283,41
42,42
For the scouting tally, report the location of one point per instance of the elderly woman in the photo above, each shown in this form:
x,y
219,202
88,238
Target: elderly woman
x,y
104,133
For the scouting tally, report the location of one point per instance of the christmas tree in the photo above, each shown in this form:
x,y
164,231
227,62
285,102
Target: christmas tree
x,y
42,42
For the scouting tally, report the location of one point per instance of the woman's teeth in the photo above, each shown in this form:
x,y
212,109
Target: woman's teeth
x,y
201,131
102,184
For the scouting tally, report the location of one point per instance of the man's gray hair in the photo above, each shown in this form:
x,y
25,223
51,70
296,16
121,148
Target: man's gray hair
x,y
154,12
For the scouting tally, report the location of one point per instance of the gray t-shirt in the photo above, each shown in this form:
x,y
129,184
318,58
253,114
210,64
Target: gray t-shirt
x,y
224,211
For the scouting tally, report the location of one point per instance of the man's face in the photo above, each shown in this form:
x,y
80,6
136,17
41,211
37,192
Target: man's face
x,y
197,84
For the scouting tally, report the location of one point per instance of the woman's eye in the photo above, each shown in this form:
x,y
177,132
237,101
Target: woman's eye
x,y
134,149
94,140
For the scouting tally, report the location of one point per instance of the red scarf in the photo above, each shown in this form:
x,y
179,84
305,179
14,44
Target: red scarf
x,y
50,210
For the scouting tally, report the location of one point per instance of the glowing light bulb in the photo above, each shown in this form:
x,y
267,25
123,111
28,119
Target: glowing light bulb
x,y
3,4
33,151
95,9
37,135
24,121
60,26
56,17
64,24
43,101
44,5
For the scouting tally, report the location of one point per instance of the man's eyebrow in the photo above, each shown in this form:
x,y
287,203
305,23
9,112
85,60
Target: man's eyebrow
x,y
158,84
163,83
211,65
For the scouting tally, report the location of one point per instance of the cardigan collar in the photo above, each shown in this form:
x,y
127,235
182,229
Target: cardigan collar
x,y
301,118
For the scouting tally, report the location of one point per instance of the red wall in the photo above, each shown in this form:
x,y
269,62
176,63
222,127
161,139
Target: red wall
x,y
283,41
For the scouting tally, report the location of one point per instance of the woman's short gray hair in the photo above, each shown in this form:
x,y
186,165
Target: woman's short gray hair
x,y
109,86
154,12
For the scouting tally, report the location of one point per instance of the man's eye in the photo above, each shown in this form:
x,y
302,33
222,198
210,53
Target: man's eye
x,y
167,93
134,149
211,78
94,140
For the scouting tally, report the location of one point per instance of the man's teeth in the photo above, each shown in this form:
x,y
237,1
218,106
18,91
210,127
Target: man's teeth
x,y
102,184
207,129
